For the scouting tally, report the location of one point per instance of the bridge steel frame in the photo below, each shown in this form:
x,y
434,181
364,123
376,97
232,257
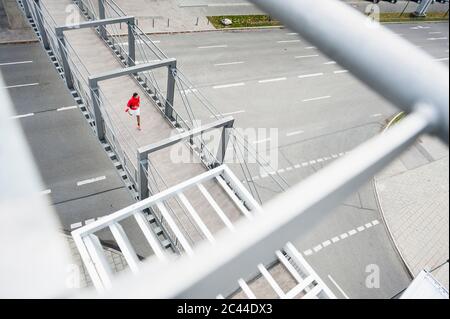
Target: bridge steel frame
x,y
95,79
130,20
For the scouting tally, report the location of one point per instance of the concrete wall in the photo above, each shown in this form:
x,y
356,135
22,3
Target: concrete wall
x,y
14,16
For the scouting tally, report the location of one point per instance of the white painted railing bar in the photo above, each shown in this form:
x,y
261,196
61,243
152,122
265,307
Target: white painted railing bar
x,y
286,217
271,281
216,207
125,246
96,253
294,253
233,196
300,287
246,289
289,266
173,225
146,203
196,218
89,263
313,293
149,235
404,79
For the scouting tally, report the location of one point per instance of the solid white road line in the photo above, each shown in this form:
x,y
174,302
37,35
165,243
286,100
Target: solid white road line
x,y
228,85
340,71
65,108
435,32
19,86
309,75
317,98
229,63
330,62
442,59
376,115
230,113
306,56
294,133
15,63
338,287
21,116
310,48
435,39
289,41
272,80
292,33
214,46
91,180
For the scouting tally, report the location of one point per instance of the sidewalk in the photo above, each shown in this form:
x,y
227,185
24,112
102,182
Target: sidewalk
x,y
19,31
414,195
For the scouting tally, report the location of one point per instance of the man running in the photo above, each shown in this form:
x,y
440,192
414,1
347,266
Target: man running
x,y
133,108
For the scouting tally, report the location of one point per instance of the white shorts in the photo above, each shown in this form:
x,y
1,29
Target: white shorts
x,y
135,112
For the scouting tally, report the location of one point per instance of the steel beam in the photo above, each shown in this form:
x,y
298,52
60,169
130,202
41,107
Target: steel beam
x,y
168,108
102,16
63,52
131,45
26,8
95,97
144,152
97,23
422,9
131,70
40,24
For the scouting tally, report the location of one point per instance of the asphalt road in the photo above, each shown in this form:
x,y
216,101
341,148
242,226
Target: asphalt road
x,y
237,7
274,79
80,179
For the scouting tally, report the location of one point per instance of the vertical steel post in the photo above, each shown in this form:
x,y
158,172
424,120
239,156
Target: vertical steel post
x,y
26,8
422,9
95,97
40,24
224,138
131,44
102,15
142,176
65,62
168,110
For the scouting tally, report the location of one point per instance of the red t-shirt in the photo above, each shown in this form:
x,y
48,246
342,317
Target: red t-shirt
x,y
134,103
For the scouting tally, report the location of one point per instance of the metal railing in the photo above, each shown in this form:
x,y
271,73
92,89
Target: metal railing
x,y
414,82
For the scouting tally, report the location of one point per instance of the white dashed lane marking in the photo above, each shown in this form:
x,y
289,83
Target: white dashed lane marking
x,y
15,63
214,46
294,133
288,41
66,108
317,98
272,80
336,239
309,75
19,86
306,56
296,166
229,63
91,180
228,85
21,116
340,71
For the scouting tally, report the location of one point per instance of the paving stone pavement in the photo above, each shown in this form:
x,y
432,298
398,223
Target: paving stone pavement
x,y
82,279
414,196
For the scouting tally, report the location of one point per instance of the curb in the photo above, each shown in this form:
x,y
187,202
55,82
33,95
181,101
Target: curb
x,y
390,235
